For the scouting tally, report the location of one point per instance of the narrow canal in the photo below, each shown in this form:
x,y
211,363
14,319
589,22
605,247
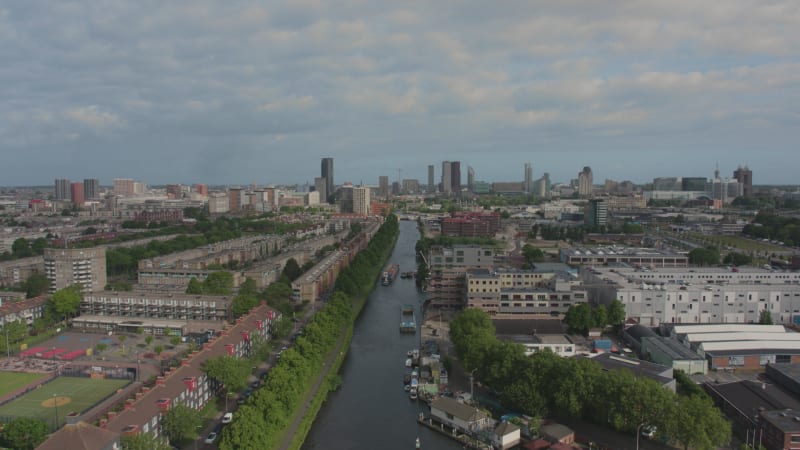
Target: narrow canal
x,y
371,410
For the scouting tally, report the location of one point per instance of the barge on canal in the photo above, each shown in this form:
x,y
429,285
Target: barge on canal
x,y
408,324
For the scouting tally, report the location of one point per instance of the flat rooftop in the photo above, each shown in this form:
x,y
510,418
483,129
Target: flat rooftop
x,y
671,348
509,327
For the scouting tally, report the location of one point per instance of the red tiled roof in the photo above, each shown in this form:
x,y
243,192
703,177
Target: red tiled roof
x,y
146,408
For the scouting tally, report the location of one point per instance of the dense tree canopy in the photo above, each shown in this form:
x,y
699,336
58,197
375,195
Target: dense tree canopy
x,y
708,256
579,387
181,423
24,433
67,301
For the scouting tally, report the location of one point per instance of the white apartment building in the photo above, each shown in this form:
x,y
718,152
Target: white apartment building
x,y
698,295
509,291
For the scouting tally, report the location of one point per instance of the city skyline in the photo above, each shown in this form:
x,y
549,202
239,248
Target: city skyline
x,y
232,93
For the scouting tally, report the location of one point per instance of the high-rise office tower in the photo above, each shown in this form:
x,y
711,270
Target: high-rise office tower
x,y
455,177
470,178
327,173
447,181
383,186
91,187
431,187
585,182
76,194
62,189
745,176
596,214
528,183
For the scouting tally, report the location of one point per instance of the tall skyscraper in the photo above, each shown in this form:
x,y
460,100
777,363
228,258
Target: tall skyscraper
x,y
76,194
235,196
745,177
431,187
455,174
327,173
383,186
470,178
585,182
91,187
447,182
528,183
62,189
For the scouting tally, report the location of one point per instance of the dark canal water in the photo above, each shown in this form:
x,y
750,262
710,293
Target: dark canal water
x,y
371,410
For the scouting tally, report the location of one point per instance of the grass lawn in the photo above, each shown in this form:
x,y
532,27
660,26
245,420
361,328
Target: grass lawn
x,y
11,381
71,394
740,243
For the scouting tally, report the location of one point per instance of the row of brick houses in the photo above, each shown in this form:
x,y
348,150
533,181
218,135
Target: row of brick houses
x,y
25,311
187,384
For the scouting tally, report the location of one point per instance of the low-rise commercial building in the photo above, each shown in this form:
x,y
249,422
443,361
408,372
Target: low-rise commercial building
x,y
657,372
614,254
668,352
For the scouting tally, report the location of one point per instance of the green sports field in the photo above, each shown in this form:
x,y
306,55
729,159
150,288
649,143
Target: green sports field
x,y
11,381
70,394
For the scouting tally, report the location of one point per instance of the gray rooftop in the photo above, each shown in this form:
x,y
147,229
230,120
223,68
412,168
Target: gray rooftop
x,y
671,348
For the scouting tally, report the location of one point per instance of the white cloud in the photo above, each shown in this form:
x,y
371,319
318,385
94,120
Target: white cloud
x,y
93,117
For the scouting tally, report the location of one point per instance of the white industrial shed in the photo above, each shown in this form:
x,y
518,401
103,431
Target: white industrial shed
x,y
727,328
695,338
745,346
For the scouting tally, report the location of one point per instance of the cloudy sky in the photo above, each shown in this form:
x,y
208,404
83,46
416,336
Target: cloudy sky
x,y
239,92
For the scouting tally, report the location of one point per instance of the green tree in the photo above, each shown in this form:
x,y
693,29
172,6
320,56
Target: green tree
x,y
36,285
195,287
67,301
148,340
158,349
21,249
249,430
695,422
248,287
708,256
143,441
532,254
646,403
175,340
101,347
472,334
232,372
616,314
181,423
579,318
737,259
122,338
242,304
24,433
764,317
600,316
292,270
218,283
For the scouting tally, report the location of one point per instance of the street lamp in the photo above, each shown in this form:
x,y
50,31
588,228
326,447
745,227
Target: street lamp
x,y
55,405
8,345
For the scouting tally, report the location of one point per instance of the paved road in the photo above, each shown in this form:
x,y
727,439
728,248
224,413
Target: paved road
x,y
310,396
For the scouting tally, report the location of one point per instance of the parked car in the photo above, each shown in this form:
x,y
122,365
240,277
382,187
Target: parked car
x,y
227,418
211,438
649,431
255,384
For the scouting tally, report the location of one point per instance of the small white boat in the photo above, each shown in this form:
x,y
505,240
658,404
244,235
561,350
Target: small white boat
x,y
409,362
407,388
413,394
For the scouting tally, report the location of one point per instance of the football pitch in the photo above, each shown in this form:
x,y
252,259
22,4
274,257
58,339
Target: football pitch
x,y
65,395
11,381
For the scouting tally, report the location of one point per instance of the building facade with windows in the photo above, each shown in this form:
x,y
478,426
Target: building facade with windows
x,y
697,295
79,266
514,292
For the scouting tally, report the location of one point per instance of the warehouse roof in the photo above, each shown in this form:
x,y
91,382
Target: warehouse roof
x,y
727,328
